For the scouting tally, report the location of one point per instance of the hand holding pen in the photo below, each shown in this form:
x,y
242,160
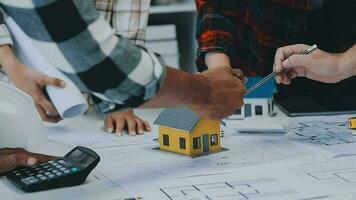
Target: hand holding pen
x,y
279,70
320,65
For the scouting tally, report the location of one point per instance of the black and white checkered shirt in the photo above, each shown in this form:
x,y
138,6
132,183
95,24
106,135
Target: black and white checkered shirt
x,y
83,46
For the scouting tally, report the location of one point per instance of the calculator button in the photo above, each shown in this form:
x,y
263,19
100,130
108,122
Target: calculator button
x,y
58,166
59,173
29,180
61,161
55,171
39,175
63,169
50,176
43,178
51,161
74,169
47,173
32,181
67,171
46,167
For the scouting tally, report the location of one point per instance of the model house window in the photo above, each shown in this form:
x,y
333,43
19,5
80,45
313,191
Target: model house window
x,y
214,139
196,143
165,140
258,110
182,143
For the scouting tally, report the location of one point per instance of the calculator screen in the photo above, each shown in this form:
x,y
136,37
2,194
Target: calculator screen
x,y
82,158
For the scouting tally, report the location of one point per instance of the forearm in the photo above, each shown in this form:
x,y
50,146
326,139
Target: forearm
x,y
349,60
8,60
180,89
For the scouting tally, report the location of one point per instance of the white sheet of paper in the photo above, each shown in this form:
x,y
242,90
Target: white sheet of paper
x,y
68,101
250,183
328,135
125,164
89,131
337,175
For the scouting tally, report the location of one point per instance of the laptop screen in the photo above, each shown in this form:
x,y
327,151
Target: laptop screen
x,y
307,97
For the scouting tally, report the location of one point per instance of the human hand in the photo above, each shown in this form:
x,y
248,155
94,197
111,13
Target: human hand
x,y
33,83
116,122
225,94
318,65
13,158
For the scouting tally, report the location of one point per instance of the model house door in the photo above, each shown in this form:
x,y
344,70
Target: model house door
x,y
206,143
248,110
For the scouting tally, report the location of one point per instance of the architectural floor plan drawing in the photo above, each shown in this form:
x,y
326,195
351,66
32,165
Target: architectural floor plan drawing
x,y
231,190
323,132
336,174
248,183
347,175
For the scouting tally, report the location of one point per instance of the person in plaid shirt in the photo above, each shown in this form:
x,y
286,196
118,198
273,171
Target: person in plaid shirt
x,y
129,20
85,48
245,34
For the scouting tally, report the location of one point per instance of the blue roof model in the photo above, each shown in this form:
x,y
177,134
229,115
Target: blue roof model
x,y
264,91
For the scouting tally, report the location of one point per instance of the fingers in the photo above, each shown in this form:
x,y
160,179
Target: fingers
x,y
109,124
46,109
120,125
239,74
139,126
45,117
46,80
282,54
41,158
296,60
147,126
11,161
16,157
121,120
131,125
51,111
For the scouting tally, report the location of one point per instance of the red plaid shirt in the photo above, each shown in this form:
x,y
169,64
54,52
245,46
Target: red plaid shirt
x,y
250,31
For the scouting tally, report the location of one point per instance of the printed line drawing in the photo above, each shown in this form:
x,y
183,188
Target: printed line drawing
x,y
229,190
342,175
324,133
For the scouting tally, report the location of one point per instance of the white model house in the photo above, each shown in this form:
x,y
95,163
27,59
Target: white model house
x,y
257,103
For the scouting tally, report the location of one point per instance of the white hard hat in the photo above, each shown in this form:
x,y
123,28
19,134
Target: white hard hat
x,y
20,123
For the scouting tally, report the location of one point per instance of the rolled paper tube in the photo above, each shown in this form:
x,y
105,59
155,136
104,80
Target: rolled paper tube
x,y
68,101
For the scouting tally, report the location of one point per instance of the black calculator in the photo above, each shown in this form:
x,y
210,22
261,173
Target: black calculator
x,y
70,170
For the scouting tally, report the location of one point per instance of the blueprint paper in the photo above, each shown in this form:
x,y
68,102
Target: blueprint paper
x,y
336,175
148,164
89,131
251,183
68,101
125,159
328,135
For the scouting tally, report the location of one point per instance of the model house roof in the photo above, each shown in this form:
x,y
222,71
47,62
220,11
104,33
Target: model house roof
x,y
178,118
264,91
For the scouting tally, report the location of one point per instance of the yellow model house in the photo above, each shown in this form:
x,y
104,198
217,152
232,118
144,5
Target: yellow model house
x,y
184,132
